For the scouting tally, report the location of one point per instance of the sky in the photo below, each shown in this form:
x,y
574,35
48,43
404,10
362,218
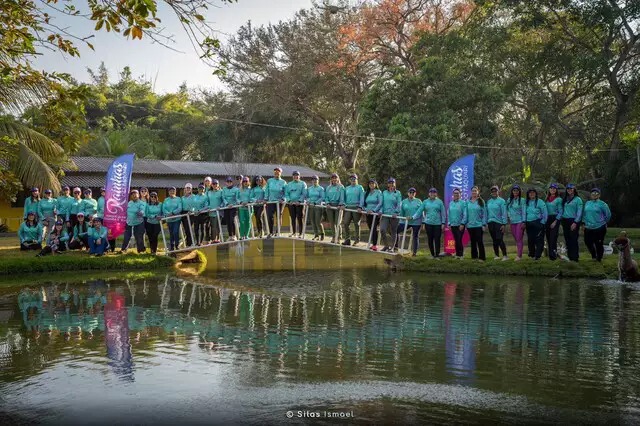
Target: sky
x,y
165,67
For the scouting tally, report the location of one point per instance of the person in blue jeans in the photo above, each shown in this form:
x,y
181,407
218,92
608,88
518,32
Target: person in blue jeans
x,y
408,209
98,242
136,210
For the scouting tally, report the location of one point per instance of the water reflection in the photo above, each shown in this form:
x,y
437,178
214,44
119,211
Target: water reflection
x,y
570,344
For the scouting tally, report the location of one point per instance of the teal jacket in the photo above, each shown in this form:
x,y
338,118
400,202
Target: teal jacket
x,y
536,211
432,212
152,213
391,202
596,214
187,202
47,207
315,194
373,201
76,206
30,206
100,207
354,196
215,201
89,207
244,195
554,208
133,210
476,214
63,238
572,209
457,214
275,189
258,194
64,206
516,210
199,203
295,191
95,234
30,233
334,195
497,210
172,206
230,196
409,208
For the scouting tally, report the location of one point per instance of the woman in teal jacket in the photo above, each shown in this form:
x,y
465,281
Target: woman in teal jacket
x,y
476,223
153,214
80,238
434,221
294,195
496,221
172,206
275,196
373,206
595,218
516,212
64,206
315,201
457,219
136,209
30,232
391,206
570,217
75,207
98,236
47,210
244,213
409,210
89,204
258,196
554,211
215,201
31,203
101,201
334,198
353,200
57,240
536,219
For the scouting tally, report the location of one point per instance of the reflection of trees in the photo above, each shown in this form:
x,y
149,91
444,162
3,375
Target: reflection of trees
x,y
529,336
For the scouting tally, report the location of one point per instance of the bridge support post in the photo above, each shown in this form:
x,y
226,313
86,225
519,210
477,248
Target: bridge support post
x,y
404,234
164,238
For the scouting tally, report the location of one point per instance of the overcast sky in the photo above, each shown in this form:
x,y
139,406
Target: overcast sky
x,y
168,68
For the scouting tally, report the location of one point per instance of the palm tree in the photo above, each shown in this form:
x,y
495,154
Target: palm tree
x,y
36,153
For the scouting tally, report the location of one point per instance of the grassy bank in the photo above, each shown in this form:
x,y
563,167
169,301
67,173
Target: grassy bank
x,y
586,268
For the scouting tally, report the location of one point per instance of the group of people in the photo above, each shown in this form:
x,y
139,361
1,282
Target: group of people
x,y
201,213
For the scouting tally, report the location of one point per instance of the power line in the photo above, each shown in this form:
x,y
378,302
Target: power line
x,y
353,136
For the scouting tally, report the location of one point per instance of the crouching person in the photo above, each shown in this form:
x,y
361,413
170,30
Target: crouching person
x,y
30,233
80,239
98,241
57,241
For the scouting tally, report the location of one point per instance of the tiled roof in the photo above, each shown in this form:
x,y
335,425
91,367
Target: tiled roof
x,y
97,181
189,168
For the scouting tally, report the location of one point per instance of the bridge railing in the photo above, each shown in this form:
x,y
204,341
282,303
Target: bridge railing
x,y
280,206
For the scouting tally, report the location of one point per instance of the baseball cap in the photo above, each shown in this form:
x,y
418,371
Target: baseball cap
x,y
134,191
571,186
239,177
391,180
102,188
278,169
595,190
65,187
215,181
495,188
433,190
515,186
171,188
201,186
88,191
246,179
153,194
553,185
229,179
372,180
413,190
334,175
188,185
353,176
315,177
47,191
80,214
34,189
295,172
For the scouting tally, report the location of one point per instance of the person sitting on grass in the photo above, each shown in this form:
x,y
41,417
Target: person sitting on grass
x,y
30,233
57,241
98,242
80,239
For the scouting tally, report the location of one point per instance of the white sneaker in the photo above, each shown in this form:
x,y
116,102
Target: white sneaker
x,y
497,258
505,258
292,235
518,259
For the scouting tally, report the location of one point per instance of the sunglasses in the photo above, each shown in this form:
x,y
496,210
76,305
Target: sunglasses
x,y
76,192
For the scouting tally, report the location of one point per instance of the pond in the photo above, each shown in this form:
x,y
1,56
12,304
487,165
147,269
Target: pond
x,y
293,347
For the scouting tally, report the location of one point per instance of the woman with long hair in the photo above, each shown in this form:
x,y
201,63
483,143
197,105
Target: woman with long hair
x,y
476,223
536,219
80,238
98,235
47,210
244,214
434,221
76,206
334,198
373,206
570,217
258,196
187,208
516,213
408,210
30,232
315,201
136,210
457,220
57,240
275,196
153,214
554,211
199,206
391,206
496,220
596,216
230,197
171,206
31,203
64,206
89,204
353,200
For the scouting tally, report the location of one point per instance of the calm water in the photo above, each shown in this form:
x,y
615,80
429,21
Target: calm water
x,y
381,347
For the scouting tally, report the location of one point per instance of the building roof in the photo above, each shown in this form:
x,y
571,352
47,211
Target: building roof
x,y
164,169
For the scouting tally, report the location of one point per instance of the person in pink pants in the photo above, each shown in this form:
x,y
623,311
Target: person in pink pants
x,y
516,207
